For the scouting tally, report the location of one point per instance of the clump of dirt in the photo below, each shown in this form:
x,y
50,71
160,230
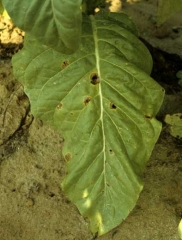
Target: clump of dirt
x,y
14,103
11,38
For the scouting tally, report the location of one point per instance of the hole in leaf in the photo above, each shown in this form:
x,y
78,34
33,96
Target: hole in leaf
x,y
59,106
87,100
67,157
65,64
112,106
148,117
94,78
111,151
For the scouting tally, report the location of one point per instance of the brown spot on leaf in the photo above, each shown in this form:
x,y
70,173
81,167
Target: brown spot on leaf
x,y
87,100
111,151
65,64
67,157
59,106
148,117
94,78
112,106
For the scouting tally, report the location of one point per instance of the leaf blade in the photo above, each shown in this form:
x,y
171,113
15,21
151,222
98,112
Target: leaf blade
x,y
104,103
55,23
1,8
166,9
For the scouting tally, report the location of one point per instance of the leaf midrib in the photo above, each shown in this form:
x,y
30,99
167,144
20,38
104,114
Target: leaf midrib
x,y
94,28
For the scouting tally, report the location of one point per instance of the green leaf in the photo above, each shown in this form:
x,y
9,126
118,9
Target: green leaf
x,y
166,8
104,103
1,7
179,74
55,23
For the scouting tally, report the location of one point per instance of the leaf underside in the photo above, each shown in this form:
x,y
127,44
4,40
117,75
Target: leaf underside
x,y
55,23
103,101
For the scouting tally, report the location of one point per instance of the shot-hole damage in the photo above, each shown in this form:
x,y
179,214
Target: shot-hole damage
x,y
87,100
148,117
94,78
111,151
59,106
67,157
64,64
112,106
